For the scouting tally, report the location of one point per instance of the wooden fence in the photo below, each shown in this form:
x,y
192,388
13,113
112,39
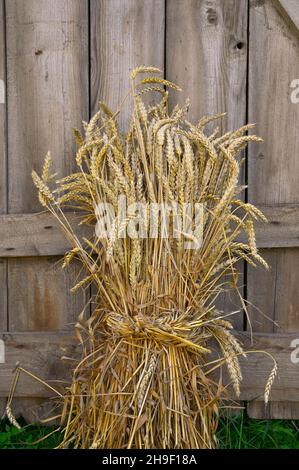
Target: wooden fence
x,y
58,58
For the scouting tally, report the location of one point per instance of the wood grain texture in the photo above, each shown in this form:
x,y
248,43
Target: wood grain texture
x,y
3,163
3,187
290,7
274,410
33,409
47,72
44,301
40,234
41,354
282,229
257,367
274,166
124,34
206,55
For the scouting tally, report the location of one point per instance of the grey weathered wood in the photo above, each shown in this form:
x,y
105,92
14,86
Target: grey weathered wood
x,y
40,353
47,54
291,8
40,234
206,55
274,410
282,229
273,167
124,34
33,409
46,303
47,91
47,57
257,367
3,187
3,162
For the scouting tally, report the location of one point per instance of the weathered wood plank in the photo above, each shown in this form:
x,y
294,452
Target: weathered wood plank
x,y
257,367
124,34
46,302
3,187
41,353
273,168
40,234
291,8
282,230
206,55
33,409
47,57
3,163
274,410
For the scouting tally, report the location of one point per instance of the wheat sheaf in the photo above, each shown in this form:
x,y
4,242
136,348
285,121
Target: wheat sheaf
x,y
144,379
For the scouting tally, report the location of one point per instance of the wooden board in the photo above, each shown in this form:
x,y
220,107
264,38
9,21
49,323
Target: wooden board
x,y
47,56
3,162
124,34
40,234
47,95
274,166
206,55
43,306
41,354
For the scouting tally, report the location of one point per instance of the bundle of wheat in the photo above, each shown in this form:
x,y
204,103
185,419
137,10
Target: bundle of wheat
x,y
144,378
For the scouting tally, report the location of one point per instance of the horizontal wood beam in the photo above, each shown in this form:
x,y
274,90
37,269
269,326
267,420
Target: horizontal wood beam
x,y
38,234
282,229
41,353
257,366
41,235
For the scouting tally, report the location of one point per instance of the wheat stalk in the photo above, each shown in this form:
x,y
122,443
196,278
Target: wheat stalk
x,y
142,377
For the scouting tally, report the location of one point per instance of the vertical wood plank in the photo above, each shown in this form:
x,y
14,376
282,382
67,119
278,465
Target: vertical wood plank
x,y
47,73
3,181
47,89
124,34
274,170
206,54
46,303
3,162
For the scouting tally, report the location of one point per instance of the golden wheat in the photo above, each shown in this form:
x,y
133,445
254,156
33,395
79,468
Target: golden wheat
x,y
142,379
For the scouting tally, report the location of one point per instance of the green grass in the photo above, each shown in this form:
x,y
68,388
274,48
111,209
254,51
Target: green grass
x,y
241,432
237,432
27,436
